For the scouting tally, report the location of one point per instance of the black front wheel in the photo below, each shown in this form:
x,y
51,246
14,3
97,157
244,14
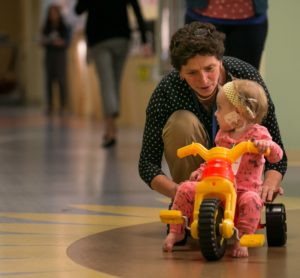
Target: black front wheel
x,y
212,243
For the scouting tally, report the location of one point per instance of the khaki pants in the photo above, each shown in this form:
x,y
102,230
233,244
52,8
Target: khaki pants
x,y
181,129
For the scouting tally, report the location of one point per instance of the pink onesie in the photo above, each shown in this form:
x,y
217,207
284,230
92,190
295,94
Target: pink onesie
x,y
248,182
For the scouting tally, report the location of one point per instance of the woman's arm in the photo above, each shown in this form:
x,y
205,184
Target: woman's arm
x,y
242,70
163,185
153,146
272,179
271,124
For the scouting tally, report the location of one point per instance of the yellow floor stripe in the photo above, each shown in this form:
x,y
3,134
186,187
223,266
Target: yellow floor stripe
x,y
39,249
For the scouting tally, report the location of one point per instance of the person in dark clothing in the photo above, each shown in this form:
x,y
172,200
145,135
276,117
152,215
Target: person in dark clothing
x,y
55,39
181,110
245,24
108,33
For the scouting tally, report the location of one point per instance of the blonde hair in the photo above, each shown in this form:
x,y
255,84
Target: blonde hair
x,y
249,98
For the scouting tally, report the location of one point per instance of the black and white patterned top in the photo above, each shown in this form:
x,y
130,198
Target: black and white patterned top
x,y
174,94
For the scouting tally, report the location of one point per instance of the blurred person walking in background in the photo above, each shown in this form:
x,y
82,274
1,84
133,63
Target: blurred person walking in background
x,y
108,33
55,40
244,22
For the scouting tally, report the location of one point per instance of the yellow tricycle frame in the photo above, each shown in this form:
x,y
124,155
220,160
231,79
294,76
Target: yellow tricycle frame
x,y
217,182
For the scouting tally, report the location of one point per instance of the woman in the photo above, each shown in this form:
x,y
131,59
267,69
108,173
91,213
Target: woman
x,y
181,109
55,40
244,22
108,33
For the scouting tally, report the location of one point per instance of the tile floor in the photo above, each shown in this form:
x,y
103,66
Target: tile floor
x,y
71,209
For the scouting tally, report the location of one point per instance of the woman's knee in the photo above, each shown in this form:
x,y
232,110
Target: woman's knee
x,y
181,122
181,129
184,124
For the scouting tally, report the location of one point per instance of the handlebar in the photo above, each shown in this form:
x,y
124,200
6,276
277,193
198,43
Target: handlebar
x,y
219,152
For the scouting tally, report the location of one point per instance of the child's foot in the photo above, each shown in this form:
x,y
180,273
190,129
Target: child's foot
x,y
239,251
170,240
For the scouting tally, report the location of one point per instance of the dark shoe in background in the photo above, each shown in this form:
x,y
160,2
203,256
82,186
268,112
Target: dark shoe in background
x,y
109,143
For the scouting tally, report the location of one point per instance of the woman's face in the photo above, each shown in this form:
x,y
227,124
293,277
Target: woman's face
x,y
54,14
202,74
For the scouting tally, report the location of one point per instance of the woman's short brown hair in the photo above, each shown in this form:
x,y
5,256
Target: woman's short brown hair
x,y
194,39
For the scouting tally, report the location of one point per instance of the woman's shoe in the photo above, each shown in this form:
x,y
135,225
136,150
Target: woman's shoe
x,y
108,143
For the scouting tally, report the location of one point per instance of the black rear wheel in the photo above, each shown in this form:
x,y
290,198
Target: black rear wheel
x,y
276,224
212,243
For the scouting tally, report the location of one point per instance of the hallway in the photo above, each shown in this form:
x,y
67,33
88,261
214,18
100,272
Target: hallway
x,y
71,209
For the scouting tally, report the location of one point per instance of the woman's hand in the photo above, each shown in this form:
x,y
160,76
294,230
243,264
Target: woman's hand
x,y
271,186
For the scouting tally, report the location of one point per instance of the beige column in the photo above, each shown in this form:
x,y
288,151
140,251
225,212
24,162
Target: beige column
x,y
30,53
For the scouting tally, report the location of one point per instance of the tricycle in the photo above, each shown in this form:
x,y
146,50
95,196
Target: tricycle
x,y
215,204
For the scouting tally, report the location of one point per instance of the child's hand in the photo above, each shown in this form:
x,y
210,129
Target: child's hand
x,y
262,145
196,175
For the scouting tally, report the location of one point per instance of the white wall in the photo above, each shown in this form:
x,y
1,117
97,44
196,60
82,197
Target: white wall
x,y
282,72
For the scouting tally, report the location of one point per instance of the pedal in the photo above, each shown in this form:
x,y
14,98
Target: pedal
x,y
255,240
171,217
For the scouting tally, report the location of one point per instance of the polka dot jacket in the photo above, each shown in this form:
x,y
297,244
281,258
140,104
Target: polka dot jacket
x,y
174,94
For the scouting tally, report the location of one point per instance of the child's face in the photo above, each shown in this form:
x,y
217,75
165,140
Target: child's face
x,y
226,114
